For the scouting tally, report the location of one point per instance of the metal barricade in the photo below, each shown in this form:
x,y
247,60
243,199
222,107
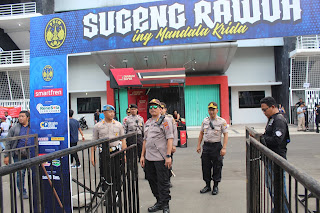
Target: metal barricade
x,y
274,184
111,185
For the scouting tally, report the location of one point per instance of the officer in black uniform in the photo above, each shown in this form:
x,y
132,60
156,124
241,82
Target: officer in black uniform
x,y
276,136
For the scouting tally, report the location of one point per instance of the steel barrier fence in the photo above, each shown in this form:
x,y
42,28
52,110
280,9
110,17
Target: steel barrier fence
x,y
274,184
111,185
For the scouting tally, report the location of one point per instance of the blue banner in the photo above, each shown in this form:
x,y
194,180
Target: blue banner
x,y
171,22
49,118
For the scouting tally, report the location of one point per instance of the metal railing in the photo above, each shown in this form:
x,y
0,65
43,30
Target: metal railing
x,y
25,104
14,57
111,185
274,184
18,9
308,42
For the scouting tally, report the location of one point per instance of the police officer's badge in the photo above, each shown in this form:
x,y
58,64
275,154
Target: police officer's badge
x,y
278,133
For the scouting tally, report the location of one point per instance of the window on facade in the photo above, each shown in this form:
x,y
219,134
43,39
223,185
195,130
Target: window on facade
x,y
88,105
250,99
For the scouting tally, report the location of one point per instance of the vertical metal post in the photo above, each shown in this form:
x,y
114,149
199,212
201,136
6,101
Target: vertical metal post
x,y
278,189
9,85
22,87
106,162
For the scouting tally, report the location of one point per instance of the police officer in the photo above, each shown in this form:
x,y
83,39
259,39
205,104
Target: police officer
x,y
175,132
156,155
276,136
125,118
134,122
212,155
108,128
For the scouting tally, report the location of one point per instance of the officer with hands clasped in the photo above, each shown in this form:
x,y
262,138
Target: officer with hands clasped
x,y
156,155
108,128
134,123
212,155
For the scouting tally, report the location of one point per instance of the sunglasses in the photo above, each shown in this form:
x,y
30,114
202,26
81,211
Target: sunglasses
x,y
153,106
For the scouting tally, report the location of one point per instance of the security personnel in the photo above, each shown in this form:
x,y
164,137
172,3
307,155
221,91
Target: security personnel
x,y
276,136
108,128
212,155
134,123
125,118
175,132
156,155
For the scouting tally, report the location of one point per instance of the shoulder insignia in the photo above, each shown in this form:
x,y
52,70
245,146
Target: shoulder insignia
x,y
166,125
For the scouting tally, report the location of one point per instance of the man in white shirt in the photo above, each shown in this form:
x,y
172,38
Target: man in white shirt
x,y
8,118
301,119
4,130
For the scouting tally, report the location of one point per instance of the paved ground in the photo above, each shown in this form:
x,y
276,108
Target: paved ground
x,y
303,152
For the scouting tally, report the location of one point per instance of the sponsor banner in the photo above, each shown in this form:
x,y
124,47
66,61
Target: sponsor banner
x,y
48,109
170,22
49,112
49,143
12,111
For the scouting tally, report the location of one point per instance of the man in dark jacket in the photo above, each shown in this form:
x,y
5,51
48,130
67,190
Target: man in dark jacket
x,y
20,129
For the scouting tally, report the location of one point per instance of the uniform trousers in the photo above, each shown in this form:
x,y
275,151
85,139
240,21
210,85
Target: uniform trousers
x,y
132,140
212,162
158,177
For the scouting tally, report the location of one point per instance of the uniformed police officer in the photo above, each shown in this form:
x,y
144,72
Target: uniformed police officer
x,y
175,132
156,155
125,118
212,155
108,128
134,123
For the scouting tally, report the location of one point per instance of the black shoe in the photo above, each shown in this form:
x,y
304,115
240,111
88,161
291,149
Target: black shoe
x,y
205,189
156,207
317,131
215,190
166,209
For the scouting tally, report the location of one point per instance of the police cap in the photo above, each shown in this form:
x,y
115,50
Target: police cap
x,y
213,105
155,101
133,106
107,108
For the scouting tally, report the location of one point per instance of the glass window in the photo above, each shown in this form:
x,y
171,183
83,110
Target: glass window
x,y
250,99
88,105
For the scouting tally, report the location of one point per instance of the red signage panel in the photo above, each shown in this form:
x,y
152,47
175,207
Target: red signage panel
x,y
126,77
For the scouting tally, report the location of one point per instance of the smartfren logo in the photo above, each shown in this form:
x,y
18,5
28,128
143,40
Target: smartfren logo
x,y
48,109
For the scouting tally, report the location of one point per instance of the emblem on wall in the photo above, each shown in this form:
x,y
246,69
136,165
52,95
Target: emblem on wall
x,y
55,33
47,73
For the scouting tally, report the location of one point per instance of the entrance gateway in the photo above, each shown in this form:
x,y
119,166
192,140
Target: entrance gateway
x,y
162,23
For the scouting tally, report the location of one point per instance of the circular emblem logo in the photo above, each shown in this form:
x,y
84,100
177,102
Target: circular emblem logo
x,y
47,73
55,33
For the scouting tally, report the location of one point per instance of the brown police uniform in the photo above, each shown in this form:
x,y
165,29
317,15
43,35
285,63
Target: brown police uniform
x,y
211,158
134,123
156,136
108,130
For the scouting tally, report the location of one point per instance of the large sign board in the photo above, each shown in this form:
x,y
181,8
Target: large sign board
x,y
55,36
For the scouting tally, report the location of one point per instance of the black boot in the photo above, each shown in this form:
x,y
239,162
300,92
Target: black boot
x,y
156,207
215,189
206,189
166,208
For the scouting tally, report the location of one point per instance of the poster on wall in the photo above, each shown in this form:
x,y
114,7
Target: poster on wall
x,y
49,119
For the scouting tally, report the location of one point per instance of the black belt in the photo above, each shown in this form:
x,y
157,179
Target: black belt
x,y
211,143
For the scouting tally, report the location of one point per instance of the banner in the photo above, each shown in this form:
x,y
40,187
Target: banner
x,y
171,22
49,119
12,111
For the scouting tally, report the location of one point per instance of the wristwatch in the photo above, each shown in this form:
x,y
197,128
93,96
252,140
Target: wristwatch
x,y
168,156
